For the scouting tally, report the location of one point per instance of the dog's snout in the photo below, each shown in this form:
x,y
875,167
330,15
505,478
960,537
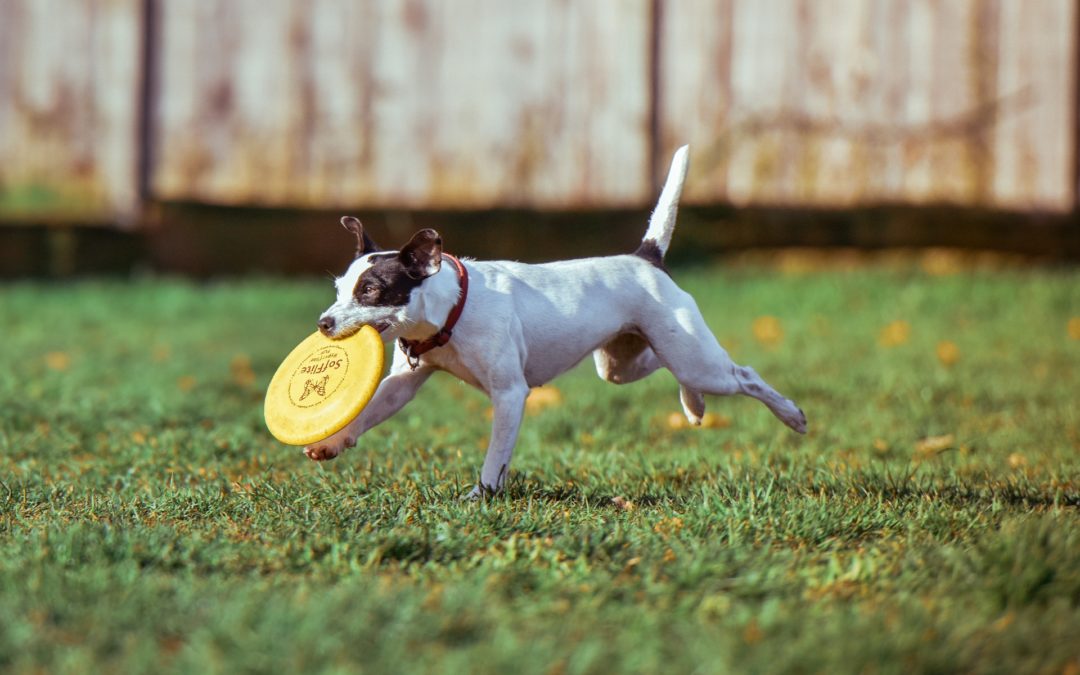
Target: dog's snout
x,y
326,325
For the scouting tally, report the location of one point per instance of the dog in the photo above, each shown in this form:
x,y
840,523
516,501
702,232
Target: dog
x,y
522,325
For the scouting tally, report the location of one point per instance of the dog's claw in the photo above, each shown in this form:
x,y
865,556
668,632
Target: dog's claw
x,y
321,453
480,491
473,495
799,423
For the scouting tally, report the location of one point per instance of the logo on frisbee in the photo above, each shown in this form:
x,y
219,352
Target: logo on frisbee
x,y
318,376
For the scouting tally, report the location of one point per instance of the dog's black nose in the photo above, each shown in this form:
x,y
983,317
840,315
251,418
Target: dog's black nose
x,y
326,324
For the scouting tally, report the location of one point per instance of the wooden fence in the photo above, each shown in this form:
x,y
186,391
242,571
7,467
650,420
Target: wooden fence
x,y
474,104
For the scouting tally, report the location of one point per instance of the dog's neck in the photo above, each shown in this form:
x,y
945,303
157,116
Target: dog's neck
x,y
432,302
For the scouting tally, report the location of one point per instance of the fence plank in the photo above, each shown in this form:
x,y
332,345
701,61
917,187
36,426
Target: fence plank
x,y
836,103
69,83
404,103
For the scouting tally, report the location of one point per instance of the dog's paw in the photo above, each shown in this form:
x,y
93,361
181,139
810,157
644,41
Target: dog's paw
x,y
473,495
479,492
797,420
329,448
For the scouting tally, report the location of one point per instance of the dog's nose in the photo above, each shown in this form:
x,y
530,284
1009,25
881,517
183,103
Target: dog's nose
x,y
326,325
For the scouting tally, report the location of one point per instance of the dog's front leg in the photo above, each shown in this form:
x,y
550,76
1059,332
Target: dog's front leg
x,y
399,387
509,407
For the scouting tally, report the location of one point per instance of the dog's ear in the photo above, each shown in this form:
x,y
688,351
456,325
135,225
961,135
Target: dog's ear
x,y
364,243
422,256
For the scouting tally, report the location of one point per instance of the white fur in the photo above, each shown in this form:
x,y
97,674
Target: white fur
x,y
662,223
523,325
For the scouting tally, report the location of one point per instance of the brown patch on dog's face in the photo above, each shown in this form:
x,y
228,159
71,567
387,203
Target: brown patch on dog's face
x,y
364,243
391,278
386,283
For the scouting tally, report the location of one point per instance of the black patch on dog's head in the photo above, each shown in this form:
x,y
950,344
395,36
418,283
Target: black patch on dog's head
x,y
390,280
651,253
364,243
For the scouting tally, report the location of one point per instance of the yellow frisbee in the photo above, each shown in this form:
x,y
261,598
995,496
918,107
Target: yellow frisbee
x,y
322,385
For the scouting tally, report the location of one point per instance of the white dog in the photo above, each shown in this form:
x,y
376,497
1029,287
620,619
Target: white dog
x,y
523,325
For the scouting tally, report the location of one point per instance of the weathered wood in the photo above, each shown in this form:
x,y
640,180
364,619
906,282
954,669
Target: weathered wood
x,y
535,104
835,103
69,84
404,103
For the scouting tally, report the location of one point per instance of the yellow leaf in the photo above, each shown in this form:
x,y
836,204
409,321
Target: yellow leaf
x,y
933,445
948,353
752,634
541,398
58,361
714,421
1074,328
895,334
1016,460
677,420
622,504
1004,622
186,383
768,331
242,373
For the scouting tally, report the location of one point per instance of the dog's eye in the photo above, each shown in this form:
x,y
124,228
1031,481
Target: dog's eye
x,y
369,291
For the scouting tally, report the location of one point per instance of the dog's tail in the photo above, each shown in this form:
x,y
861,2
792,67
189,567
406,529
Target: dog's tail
x,y
662,224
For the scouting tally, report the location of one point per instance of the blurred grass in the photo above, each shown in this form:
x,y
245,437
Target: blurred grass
x,y
929,521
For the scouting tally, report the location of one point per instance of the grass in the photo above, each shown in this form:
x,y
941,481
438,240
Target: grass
x,y
929,521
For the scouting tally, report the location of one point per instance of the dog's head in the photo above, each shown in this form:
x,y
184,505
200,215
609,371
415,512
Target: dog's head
x,y
380,287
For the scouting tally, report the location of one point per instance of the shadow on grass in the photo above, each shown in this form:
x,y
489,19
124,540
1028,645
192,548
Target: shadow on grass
x,y
866,486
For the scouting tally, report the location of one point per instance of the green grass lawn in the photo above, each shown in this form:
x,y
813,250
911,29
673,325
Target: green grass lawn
x,y
930,520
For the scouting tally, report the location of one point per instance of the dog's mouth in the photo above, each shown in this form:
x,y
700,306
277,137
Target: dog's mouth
x,y
381,326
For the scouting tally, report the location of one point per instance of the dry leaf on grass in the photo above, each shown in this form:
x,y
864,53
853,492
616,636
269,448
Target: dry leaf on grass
x,y
715,421
242,374
541,398
752,634
58,361
948,353
933,445
768,331
895,334
677,420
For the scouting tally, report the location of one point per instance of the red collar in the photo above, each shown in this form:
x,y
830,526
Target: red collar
x,y
414,348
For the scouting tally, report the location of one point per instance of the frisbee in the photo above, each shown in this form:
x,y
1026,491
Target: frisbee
x,y
322,385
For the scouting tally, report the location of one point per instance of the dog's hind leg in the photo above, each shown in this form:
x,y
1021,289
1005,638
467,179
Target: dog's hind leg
x,y
686,347
693,405
628,357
